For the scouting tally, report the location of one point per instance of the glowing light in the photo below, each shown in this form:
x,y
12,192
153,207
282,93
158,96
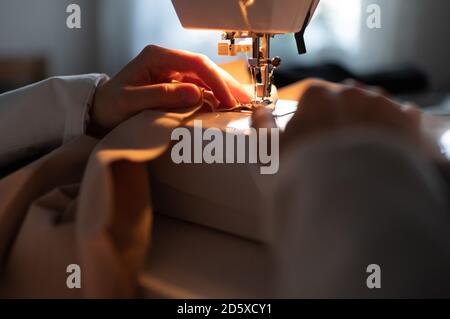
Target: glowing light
x,y
445,144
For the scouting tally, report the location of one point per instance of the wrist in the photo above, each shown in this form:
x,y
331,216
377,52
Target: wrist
x,y
94,127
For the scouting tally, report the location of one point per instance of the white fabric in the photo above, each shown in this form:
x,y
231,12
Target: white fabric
x,y
44,115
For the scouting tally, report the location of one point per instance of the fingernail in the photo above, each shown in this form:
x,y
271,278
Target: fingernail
x,y
191,95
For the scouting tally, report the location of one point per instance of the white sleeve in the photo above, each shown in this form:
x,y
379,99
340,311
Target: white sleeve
x,y
45,115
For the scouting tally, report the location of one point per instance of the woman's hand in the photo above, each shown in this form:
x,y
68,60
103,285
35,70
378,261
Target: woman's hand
x,y
326,107
160,78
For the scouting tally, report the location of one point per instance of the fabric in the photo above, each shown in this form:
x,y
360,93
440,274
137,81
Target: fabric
x,y
49,114
86,203
355,199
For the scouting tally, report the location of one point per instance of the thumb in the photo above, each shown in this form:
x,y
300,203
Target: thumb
x,y
262,117
162,96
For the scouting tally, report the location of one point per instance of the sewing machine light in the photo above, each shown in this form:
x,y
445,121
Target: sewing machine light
x,y
444,144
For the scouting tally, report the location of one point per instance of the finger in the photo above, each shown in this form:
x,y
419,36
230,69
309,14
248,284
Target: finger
x,y
161,60
371,88
162,96
240,92
410,107
413,111
186,78
262,117
237,89
313,84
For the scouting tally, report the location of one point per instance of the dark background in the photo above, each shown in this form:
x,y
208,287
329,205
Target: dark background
x,y
409,54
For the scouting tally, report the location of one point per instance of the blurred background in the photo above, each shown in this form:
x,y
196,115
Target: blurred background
x,y
409,54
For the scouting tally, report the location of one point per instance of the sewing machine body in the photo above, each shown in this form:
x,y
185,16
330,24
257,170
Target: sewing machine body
x,y
266,16
258,20
230,197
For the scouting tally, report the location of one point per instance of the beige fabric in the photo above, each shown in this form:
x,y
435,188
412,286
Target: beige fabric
x,y
87,203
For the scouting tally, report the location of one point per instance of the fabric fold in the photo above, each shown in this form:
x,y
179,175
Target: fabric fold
x,y
87,203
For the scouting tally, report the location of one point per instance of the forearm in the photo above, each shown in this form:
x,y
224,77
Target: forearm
x,y
44,115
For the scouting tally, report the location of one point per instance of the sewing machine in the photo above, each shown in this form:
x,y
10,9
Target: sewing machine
x,y
254,20
230,197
